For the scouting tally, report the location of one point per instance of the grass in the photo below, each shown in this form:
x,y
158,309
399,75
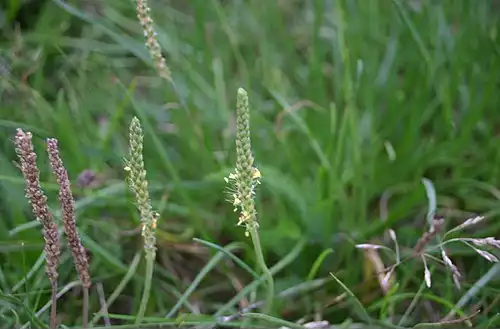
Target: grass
x,y
353,103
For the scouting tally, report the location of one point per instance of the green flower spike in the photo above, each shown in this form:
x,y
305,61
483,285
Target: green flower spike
x,y
244,180
139,185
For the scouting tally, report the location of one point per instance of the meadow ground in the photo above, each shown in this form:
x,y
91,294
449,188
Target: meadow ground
x,y
367,115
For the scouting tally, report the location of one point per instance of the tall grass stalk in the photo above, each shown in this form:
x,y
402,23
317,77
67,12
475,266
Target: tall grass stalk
x,y
38,201
68,213
147,23
139,185
245,178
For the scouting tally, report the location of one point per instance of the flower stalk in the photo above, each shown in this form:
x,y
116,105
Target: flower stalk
x,y
152,44
138,184
244,180
69,223
38,201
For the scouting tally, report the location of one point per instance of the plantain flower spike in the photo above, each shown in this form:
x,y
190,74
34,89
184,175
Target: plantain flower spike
x,y
245,177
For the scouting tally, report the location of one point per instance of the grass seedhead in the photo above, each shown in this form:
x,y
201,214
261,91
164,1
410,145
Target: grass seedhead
x,y
38,201
427,273
152,44
456,275
433,231
244,180
422,249
245,177
138,184
69,223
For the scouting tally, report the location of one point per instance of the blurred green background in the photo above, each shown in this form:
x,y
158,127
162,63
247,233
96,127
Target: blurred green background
x,y
353,102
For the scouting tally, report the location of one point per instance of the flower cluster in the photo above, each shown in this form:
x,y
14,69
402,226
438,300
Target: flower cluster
x,y
245,177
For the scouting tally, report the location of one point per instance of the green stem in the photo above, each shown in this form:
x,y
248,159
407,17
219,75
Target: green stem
x,y
262,263
147,287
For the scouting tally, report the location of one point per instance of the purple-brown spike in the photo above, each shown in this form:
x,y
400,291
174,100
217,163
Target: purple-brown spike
x,y
68,218
38,201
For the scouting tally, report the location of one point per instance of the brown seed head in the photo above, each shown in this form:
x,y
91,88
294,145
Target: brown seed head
x,y
38,201
68,213
424,240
